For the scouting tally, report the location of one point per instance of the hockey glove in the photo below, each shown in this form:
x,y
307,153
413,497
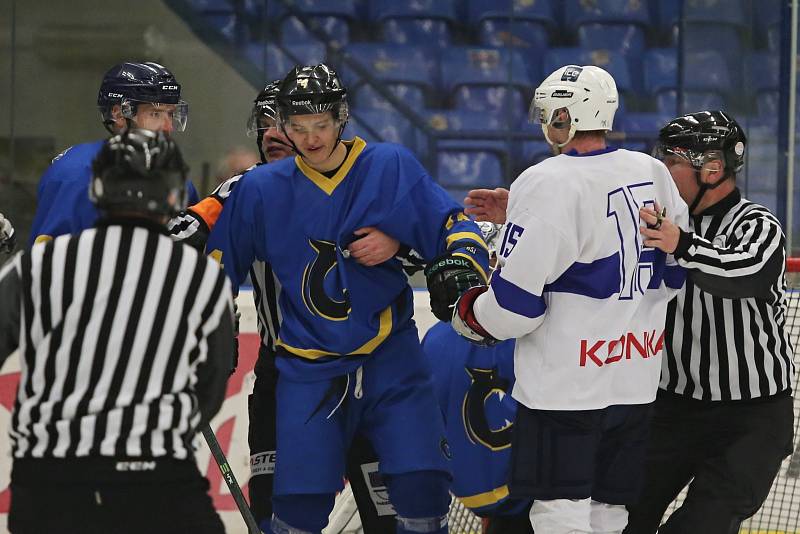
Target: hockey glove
x,y
448,277
464,322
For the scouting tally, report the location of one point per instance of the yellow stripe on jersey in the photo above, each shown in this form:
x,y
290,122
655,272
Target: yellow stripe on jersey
x,y
357,145
384,328
485,499
43,239
472,236
453,219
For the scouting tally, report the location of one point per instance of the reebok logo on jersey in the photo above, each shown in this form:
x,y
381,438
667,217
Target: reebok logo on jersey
x,y
262,463
607,351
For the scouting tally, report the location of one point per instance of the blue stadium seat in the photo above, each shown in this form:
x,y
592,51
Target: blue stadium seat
x,y
497,99
381,126
578,12
278,63
768,104
367,97
724,40
668,13
540,11
381,10
660,70
468,74
714,12
611,61
472,123
535,151
409,64
345,9
336,30
429,32
469,169
529,36
667,101
627,39
706,71
762,71
483,66
643,126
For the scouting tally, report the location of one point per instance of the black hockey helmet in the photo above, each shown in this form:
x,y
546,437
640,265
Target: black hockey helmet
x,y
693,135
139,171
313,89
129,84
264,114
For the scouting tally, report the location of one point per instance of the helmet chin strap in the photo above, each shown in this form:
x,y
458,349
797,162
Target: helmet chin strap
x,y
558,146
703,188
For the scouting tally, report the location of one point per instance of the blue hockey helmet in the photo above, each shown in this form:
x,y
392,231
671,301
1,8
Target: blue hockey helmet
x,y
130,84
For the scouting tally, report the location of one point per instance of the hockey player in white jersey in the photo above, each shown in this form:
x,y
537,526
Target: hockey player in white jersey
x,y
586,302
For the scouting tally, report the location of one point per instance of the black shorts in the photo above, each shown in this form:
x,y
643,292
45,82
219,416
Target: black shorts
x,y
93,496
580,454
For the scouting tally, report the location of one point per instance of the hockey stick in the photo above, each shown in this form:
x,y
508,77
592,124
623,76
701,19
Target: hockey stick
x,y
230,480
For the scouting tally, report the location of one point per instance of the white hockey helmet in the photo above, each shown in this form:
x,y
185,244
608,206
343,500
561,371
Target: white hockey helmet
x,y
588,93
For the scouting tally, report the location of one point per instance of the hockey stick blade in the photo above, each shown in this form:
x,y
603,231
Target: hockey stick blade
x,y
230,480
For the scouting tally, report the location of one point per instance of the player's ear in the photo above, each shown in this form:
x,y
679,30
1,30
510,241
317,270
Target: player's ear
x,y
713,170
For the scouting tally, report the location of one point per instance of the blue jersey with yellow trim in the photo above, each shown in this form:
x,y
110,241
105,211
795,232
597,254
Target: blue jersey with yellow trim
x,y
301,222
473,386
63,205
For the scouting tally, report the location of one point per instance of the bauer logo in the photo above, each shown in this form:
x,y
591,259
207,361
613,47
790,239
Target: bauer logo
x,y
562,93
262,463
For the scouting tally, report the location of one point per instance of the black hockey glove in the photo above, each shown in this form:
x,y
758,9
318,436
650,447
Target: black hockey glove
x,y
448,277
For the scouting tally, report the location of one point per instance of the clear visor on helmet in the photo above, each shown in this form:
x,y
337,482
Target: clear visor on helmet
x,y
694,158
558,118
259,120
156,116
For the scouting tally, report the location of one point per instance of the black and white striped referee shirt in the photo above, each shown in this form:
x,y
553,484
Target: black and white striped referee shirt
x,y
726,336
125,340
194,227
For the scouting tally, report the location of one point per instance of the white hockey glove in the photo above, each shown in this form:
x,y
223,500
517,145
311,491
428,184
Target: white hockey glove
x,y
8,239
464,322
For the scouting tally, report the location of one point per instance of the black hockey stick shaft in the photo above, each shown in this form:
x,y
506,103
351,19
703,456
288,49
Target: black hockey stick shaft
x,y
230,480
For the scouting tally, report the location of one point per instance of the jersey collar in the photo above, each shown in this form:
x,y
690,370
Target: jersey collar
x,y
329,184
606,150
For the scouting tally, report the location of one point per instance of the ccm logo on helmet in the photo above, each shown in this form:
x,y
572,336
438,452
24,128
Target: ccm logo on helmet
x,y
169,87
114,95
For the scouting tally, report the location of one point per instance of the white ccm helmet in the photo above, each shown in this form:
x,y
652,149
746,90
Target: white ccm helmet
x,y
588,93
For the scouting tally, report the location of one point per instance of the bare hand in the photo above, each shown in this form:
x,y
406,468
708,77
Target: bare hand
x,y
662,233
374,248
487,204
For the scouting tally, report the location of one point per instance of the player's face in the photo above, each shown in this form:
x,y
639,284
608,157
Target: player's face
x,y
684,176
274,142
315,136
155,117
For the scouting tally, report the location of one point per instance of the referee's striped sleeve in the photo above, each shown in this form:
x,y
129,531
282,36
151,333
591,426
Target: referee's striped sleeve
x,y
744,266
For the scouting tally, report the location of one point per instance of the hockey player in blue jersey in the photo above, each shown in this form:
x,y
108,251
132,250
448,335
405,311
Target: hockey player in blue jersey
x,y
473,385
142,95
348,350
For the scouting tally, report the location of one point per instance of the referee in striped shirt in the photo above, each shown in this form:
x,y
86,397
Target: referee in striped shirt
x,y
125,344
723,416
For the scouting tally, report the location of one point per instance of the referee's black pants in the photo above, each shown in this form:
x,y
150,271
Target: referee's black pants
x,y
729,451
110,496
